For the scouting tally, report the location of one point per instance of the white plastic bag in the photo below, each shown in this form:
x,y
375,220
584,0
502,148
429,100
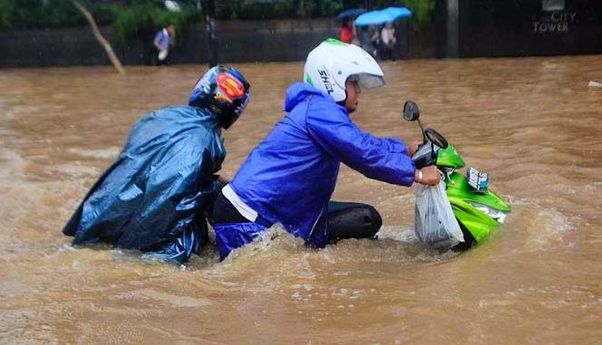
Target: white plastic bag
x,y
436,225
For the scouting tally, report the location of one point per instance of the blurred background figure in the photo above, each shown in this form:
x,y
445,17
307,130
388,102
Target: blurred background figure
x,y
346,34
369,38
164,40
387,42
348,31
355,40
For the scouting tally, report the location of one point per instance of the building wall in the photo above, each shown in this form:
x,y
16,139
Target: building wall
x,y
239,41
524,28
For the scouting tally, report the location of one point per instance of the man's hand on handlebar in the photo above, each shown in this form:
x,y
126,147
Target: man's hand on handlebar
x,y
428,176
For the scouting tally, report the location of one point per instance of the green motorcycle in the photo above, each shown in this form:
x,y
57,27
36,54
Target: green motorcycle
x,y
477,209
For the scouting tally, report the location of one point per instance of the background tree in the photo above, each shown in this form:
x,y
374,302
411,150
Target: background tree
x,y
99,37
131,17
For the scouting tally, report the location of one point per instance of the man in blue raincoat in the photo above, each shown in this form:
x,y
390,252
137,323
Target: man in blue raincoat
x,y
154,197
290,176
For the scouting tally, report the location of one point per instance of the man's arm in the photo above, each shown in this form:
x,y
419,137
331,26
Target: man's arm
x,y
384,159
157,39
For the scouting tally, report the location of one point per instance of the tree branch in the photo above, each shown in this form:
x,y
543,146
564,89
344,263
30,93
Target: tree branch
x,y
103,42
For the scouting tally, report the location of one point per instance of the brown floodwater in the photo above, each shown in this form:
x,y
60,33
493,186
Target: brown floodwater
x,y
532,123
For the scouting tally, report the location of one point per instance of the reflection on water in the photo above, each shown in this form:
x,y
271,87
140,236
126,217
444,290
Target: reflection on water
x,y
532,123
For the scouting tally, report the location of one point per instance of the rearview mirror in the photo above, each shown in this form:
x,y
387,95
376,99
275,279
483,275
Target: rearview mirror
x,y
411,111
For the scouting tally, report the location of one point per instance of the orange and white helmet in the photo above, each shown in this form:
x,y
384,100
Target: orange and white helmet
x,y
224,91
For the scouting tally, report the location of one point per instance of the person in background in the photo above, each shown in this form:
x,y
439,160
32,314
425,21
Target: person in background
x,y
369,38
154,197
355,40
346,33
290,176
164,40
387,42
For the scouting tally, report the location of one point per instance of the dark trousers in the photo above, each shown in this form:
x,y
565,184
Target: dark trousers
x,y
345,219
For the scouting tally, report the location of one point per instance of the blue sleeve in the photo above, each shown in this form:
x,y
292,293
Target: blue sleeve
x,y
158,37
383,159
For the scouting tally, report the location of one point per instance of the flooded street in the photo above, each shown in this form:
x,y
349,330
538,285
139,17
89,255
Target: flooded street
x,y
532,123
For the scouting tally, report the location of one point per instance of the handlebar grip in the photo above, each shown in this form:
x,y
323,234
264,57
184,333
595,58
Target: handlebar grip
x,y
425,155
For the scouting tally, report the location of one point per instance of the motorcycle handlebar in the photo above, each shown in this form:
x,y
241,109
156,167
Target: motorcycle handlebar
x,y
436,138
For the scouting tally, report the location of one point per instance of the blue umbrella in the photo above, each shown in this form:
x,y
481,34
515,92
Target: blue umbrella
x,y
374,18
398,12
350,13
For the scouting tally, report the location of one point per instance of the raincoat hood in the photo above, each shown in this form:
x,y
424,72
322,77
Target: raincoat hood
x,y
297,93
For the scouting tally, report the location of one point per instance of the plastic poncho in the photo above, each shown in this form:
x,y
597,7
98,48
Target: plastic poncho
x,y
159,186
290,176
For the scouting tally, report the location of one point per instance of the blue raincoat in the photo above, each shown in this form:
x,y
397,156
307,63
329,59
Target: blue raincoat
x,y
290,176
154,196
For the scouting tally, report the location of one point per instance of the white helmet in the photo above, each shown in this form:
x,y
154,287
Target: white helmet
x,y
330,64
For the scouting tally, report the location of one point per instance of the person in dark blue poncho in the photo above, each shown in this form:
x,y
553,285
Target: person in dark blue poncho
x,y
154,197
291,175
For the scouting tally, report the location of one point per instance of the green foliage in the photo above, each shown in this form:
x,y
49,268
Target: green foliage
x,y
143,17
49,13
140,16
421,9
6,10
37,14
132,17
245,9
242,9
